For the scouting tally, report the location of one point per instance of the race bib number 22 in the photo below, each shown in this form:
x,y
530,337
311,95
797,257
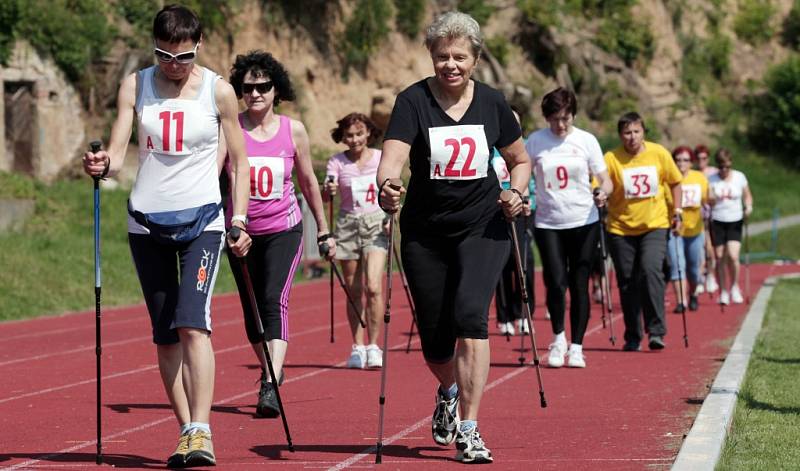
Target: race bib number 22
x,y
458,152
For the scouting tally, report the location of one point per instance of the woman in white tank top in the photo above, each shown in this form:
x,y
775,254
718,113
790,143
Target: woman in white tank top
x,y
180,108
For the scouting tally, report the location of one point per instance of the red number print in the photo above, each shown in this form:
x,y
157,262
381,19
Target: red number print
x,y
563,177
465,171
257,181
370,198
166,117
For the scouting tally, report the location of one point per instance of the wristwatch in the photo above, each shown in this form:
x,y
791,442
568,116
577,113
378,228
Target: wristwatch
x,y
239,218
323,237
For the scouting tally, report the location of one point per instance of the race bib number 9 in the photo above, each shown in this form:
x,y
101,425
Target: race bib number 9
x,y
364,191
692,197
561,174
640,182
266,178
458,152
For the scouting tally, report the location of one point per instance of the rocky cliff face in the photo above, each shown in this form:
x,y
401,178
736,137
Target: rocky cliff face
x,y
306,38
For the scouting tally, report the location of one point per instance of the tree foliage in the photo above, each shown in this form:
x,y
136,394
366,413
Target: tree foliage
x,y
753,23
775,117
365,30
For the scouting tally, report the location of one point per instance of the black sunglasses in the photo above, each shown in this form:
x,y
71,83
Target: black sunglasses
x,y
261,87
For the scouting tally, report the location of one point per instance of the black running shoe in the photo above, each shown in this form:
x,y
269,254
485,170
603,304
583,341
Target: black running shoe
x,y
679,309
656,342
267,401
693,304
631,347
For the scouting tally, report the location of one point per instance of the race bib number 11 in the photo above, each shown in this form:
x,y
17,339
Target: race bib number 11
x,y
640,182
458,152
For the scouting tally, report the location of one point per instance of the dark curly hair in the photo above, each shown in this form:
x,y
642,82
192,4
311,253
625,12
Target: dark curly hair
x,y
262,64
557,100
337,133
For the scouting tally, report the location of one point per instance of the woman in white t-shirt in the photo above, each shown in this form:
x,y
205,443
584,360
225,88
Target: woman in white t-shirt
x,y
731,203
564,159
360,230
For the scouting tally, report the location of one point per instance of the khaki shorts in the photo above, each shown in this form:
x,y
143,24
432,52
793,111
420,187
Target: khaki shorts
x,y
357,234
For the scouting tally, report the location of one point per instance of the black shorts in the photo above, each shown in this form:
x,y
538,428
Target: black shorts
x,y
177,282
452,281
723,232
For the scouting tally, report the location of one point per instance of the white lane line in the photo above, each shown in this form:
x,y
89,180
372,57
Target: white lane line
x,y
147,425
149,367
89,348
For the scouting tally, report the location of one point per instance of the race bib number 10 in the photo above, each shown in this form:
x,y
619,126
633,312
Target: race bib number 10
x,y
640,182
364,191
266,178
458,152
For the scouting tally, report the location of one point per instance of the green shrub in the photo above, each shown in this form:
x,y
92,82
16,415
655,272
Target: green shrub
x,y
408,16
775,116
365,30
547,14
627,37
478,9
790,33
499,47
139,13
705,60
9,16
753,22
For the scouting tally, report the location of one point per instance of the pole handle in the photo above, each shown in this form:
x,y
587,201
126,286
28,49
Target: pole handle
x,y
235,232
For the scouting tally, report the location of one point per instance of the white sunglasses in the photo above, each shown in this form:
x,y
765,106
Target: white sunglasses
x,y
181,58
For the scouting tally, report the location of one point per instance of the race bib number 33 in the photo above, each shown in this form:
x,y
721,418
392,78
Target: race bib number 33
x,y
640,182
266,178
458,152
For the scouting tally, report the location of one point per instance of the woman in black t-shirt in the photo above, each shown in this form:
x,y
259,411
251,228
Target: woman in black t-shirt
x,y
455,239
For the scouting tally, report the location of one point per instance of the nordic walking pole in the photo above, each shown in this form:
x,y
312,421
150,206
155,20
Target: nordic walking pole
x,y
606,282
746,261
408,295
681,301
395,184
234,234
95,147
523,286
335,270
330,179
507,195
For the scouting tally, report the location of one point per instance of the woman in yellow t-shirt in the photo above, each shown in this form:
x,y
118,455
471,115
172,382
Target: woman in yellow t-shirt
x,y
686,257
638,224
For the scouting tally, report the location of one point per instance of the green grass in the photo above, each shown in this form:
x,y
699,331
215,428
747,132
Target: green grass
x,y
48,267
788,244
766,425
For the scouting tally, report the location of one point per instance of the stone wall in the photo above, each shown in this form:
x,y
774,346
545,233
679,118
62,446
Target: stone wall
x,y
49,118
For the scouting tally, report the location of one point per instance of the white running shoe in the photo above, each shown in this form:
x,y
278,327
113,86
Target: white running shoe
x,y
470,447
576,359
502,327
547,314
374,356
736,295
358,357
712,284
510,328
724,297
444,423
700,289
522,326
555,359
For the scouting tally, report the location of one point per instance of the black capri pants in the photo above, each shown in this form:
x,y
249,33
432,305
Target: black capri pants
x,y
271,262
452,280
724,232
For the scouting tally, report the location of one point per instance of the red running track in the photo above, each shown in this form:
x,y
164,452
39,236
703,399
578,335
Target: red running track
x,y
625,411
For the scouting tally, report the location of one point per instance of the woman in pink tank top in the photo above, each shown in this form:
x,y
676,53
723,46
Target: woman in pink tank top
x,y
276,145
360,230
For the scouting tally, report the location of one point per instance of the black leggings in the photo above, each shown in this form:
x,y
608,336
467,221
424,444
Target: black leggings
x,y
567,256
452,281
271,262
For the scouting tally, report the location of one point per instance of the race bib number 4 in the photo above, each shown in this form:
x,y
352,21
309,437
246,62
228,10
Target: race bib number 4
x,y
266,178
640,182
692,198
364,191
458,152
